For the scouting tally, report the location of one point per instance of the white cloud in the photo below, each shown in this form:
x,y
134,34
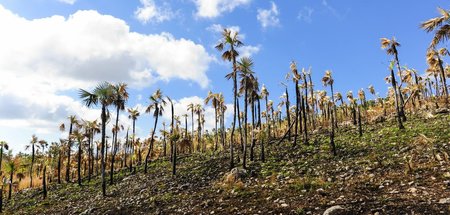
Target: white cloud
x,y
68,1
305,14
42,59
150,12
214,8
248,51
269,17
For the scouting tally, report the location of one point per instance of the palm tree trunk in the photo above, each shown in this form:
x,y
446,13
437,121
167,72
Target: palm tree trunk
x,y
10,184
244,157
79,163
69,146
44,183
132,145
252,131
394,86
172,143
297,103
89,155
103,149
444,82
59,166
288,114
150,148
217,134
31,168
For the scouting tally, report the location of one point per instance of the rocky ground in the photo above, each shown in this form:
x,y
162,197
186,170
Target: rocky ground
x,y
386,171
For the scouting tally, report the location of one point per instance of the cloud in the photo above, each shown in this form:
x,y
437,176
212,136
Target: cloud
x,y
248,51
150,12
269,17
333,10
214,8
43,61
68,1
305,14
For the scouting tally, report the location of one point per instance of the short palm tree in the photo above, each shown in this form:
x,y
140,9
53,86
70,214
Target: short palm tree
x,y
3,145
157,104
103,94
328,80
133,115
73,121
213,98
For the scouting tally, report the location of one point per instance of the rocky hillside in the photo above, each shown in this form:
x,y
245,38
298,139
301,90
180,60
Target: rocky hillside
x,y
386,171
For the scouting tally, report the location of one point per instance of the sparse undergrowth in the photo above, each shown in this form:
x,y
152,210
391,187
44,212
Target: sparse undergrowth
x,y
386,171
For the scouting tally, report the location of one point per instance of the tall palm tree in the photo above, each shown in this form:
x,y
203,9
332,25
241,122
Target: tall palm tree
x,y
91,128
133,115
103,94
398,105
328,80
120,97
157,104
33,146
296,77
214,100
440,25
265,96
391,45
73,121
245,65
191,107
79,137
232,41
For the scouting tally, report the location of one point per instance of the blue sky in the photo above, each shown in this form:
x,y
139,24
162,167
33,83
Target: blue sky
x,y
51,48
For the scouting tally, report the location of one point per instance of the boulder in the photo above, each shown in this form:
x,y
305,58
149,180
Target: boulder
x,y
335,210
235,175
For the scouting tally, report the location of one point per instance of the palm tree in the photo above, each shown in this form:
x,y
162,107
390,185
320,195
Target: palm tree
x,y
231,40
73,121
103,94
191,107
214,100
91,128
157,104
198,109
398,106
11,166
79,137
435,62
440,25
133,115
390,45
120,97
246,74
33,145
296,77
265,96
328,80
3,145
